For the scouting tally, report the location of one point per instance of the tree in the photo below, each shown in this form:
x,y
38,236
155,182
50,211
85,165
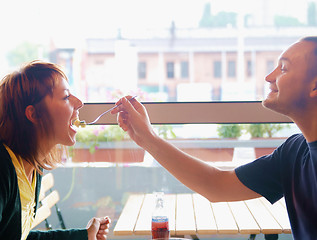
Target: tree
x,y
311,14
24,52
286,21
224,19
221,19
206,19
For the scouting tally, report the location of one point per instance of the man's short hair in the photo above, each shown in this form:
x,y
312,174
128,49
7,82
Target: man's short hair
x,y
313,65
311,39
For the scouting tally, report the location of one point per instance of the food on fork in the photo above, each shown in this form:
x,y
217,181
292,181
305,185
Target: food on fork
x,y
83,123
79,123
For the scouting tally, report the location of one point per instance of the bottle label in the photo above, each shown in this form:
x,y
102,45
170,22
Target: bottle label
x,y
160,219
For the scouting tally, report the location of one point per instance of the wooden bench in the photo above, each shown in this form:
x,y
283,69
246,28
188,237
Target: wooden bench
x,y
192,214
47,201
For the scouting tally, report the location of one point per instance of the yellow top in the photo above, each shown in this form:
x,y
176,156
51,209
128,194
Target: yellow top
x,y
27,194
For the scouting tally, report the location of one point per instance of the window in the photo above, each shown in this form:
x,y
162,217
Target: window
x,y
217,69
170,69
108,50
111,51
231,69
142,70
249,69
184,70
99,62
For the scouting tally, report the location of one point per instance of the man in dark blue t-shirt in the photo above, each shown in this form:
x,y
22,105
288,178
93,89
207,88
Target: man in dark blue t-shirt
x,y
291,171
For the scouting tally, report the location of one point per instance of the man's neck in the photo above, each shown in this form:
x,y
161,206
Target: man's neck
x,y
308,126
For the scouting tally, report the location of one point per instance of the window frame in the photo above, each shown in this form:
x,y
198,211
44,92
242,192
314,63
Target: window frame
x,y
192,113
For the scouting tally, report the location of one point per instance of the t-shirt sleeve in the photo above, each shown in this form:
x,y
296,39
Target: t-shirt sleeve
x,y
263,176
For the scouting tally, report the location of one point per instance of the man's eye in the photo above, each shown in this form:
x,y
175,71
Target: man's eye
x,y
67,97
283,69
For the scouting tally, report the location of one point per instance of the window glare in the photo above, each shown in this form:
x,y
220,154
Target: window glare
x,y
172,50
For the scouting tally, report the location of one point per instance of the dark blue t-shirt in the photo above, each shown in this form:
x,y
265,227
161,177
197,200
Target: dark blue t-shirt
x,y
290,171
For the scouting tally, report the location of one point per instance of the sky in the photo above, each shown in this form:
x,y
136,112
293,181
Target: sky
x,y
38,20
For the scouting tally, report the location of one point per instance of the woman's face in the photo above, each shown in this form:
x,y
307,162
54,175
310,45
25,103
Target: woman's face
x,y
63,109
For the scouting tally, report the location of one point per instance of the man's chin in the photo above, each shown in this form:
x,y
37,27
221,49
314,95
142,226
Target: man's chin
x,y
275,106
266,103
270,104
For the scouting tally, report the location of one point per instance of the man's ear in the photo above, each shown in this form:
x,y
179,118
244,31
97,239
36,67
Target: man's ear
x,y
30,114
313,90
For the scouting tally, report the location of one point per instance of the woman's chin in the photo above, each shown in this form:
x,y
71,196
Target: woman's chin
x,y
69,142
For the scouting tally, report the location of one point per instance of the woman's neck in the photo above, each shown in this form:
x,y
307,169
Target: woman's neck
x,y
29,170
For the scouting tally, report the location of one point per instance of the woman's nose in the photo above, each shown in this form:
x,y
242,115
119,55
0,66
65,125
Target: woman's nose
x,y
78,103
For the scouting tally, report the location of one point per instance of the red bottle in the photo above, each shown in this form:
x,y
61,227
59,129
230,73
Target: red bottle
x,y
160,227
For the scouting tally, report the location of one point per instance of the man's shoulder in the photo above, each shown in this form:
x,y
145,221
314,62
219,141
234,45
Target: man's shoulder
x,y
296,139
293,147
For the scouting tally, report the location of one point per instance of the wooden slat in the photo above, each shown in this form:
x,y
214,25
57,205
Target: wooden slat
x,y
127,220
205,221
185,221
170,203
41,214
46,184
265,220
51,199
244,219
191,214
282,202
143,224
279,213
224,218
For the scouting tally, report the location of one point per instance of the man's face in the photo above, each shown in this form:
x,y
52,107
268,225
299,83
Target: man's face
x,y
289,82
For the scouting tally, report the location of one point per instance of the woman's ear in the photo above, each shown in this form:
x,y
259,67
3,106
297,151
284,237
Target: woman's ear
x,y
30,114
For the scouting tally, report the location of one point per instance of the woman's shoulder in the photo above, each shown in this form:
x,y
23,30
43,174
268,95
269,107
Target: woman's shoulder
x,y
8,178
7,167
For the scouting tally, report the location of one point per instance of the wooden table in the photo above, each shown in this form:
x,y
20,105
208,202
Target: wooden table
x,y
192,214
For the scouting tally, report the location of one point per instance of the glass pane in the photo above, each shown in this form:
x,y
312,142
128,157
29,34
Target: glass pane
x,y
97,182
195,139
170,47
217,69
184,69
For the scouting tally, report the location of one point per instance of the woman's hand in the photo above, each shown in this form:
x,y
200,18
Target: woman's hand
x,y
133,118
98,228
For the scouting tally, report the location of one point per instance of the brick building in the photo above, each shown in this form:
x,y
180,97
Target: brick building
x,y
188,64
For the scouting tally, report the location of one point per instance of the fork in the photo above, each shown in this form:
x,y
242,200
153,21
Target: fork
x,y
107,112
